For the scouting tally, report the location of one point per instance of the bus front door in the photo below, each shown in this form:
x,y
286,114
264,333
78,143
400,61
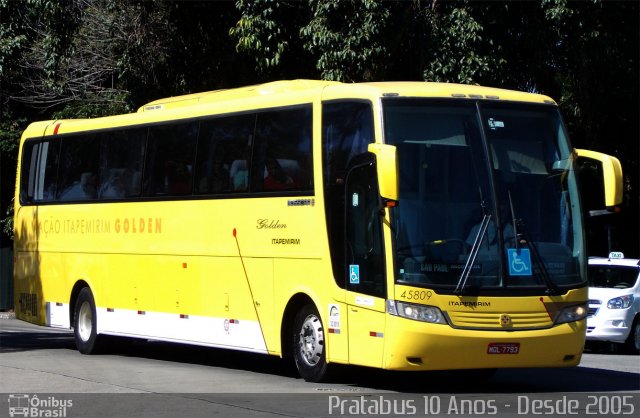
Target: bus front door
x,y
365,269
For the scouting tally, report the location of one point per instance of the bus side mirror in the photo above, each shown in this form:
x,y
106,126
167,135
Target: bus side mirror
x,y
387,170
601,181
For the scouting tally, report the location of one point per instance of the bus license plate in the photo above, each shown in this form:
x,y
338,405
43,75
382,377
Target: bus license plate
x,y
503,348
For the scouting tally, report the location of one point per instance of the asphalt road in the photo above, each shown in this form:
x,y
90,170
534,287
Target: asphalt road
x,y
40,368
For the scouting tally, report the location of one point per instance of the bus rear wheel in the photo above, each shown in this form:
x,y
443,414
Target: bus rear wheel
x,y
85,323
308,344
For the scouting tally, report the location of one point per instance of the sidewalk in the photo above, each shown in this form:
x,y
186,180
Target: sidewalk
x,y
7,315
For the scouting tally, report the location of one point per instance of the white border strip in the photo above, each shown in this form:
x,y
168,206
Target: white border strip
x,y
239,334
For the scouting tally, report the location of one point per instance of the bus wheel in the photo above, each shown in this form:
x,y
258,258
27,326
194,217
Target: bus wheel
x,y
87,339
309,345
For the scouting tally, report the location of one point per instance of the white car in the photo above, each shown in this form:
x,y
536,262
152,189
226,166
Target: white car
x,y
614,301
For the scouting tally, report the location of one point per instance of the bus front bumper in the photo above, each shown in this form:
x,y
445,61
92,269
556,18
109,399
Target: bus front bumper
x,y
414,345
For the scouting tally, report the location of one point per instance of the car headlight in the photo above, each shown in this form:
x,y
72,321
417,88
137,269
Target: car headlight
x,y
422,313
572,313
622,302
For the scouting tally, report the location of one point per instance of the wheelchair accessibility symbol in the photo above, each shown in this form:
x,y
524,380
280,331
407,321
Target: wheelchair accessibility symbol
x,y
354,274
519,262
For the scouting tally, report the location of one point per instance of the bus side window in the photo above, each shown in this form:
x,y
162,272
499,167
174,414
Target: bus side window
x,y
77,177
282,149
121,158
224,147
39,171
170,159
347,129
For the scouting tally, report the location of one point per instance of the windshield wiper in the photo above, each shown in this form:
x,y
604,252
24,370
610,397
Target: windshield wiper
x,y
552,288
520,231
473,253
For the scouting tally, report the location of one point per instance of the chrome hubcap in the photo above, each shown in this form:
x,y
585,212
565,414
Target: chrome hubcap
x,y
311,340
85,323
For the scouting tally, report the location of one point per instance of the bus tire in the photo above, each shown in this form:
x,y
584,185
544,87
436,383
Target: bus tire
x,y
308,344
85,323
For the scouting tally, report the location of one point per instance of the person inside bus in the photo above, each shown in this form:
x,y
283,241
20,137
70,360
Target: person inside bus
x,y
239,175
220,181
115,187
85,189
276,178
178,178
215,180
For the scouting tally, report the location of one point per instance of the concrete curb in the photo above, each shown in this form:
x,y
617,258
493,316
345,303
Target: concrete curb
x,y
7,315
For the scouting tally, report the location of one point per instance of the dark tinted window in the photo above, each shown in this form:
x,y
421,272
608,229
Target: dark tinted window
x,y
121,158
266,151
347,130
224,148
365,255
282,156
78,176
39,171
170,159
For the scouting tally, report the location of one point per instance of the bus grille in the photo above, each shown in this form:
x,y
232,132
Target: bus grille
x,y
493,320
28,303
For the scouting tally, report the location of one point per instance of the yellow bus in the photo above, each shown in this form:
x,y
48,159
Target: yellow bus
x,y
398,225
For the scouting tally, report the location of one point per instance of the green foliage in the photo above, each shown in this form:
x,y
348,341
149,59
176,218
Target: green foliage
x,y
266,30
345,36
10,130
457,51
90,58
81,110
6,223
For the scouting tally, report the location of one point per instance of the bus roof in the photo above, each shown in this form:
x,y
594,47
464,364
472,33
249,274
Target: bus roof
x,y
277,93
248,92
331,88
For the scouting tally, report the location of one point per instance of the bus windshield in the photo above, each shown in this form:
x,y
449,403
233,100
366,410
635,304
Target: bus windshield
x,y
488,199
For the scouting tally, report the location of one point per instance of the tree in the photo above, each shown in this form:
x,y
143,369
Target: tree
x,y
459,51
268,33
86,58
345,37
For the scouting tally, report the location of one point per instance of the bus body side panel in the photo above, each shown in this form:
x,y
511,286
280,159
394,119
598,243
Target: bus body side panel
x,y
158,272
39,275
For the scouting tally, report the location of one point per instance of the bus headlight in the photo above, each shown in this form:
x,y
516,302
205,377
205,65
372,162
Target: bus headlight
x,y
422,313
572,313
622,302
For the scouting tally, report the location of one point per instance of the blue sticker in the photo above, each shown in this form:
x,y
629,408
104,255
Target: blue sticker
x,y
354,274
519,262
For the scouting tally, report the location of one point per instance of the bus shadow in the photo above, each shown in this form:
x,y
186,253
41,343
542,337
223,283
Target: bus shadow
x,y
11,342
576,379
207,356
361,379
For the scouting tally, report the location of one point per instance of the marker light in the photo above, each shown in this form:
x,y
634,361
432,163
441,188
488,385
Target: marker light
x,y
422,313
